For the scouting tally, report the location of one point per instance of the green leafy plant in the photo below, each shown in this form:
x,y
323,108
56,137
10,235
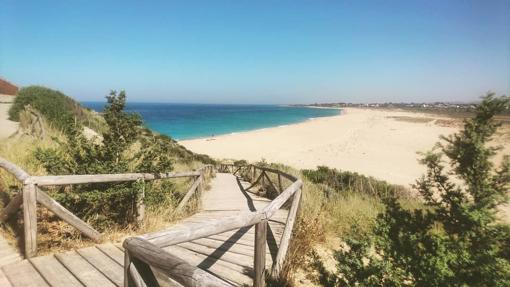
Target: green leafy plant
x,y
122,148
346,182
456,239
61,111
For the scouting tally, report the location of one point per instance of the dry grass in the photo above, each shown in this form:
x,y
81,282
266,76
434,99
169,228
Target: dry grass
x,y
324,218
54,235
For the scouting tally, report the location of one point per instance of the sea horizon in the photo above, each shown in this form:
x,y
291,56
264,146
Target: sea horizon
x,y
186,121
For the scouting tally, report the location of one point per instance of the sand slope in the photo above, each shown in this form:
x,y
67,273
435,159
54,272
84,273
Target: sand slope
x,y
371,142
7,127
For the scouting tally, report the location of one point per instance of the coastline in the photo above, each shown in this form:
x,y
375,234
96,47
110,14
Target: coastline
x,y
212,137
382,144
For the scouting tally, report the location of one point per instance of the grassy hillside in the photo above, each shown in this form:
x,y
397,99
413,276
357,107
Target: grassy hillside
x,y
58,109
121,144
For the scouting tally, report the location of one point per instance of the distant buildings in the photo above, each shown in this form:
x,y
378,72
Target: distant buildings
x,y
461,109
7,88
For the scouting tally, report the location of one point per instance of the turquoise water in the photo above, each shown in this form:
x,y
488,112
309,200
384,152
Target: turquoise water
x,y
188,121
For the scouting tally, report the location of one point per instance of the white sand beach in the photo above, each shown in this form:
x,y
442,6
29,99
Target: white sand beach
x,y
379,143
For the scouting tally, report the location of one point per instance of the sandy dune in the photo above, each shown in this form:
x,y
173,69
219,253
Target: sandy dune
x,y
7,127
383,144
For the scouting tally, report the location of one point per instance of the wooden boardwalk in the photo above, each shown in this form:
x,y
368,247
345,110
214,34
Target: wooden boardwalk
x,y
229,255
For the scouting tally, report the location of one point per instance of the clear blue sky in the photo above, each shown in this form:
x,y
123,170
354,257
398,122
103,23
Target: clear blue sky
x,y
259,51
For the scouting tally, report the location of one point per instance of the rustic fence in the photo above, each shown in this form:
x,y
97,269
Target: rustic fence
x,y
32,194
143,253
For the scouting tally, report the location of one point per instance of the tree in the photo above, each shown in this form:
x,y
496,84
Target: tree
x,y
456,239
124,147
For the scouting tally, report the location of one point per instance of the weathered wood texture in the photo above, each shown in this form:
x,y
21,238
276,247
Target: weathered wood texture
x,y
91,266
30,220
97,178
8,253
220,243
259,259
221,240
13,169
287,233
172,266
31,194
67,216
190,192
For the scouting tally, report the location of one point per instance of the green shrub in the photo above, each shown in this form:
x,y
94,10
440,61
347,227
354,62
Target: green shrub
x,y
58,109
352,182
456,239
112,203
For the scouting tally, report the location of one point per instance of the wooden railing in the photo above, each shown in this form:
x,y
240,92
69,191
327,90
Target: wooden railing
x,y
144,252
32,194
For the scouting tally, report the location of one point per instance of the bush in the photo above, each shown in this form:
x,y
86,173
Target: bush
x,y
115,203
456,239
352,182
58,109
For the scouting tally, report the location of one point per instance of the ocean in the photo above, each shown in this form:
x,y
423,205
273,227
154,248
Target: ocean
x,y
189,121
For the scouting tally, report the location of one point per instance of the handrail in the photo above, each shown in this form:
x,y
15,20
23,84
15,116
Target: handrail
x,y
15,170
32,194
190,232
100,178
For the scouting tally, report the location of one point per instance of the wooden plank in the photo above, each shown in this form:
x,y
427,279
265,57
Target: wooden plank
x,y
13,169
104,264
54,272
98,178
83,270
67,216
285,239
276,228
233,273
195,231
11,208
271,183
259,261
172,266
30,220
225,255
277,203
4,282
280,186
113,252
227,245
23,274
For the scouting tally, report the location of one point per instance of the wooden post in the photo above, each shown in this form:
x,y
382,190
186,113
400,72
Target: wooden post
x,y
188,195
259,263
128,280
280,183
263,180
30,220
201,184
140,204
287,233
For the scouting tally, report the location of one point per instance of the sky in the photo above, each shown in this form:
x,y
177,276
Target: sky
x,y
259,52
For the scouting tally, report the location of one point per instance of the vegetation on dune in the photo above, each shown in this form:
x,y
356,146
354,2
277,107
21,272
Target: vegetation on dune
x,y
105,204
61,111
348,182
455,239
332,202
122,144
